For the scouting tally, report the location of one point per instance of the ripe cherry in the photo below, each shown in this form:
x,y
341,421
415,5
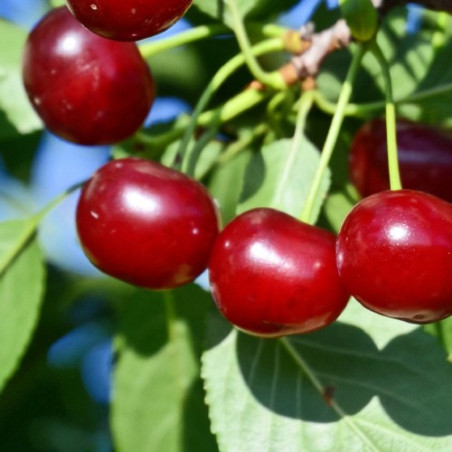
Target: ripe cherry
x,y
425,158
146,224
86,89
128,20
394,254
272,275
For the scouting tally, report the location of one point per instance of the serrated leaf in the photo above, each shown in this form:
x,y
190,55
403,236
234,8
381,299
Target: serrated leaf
x,y
158,399
13,99
281,176
14,235
21,291
398,397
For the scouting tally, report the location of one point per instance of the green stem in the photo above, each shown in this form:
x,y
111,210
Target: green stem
x,y
56,201
234,107
170,313
391,133
242,144
304,106
363,110
333,133
152,48
271,79
31,227
149,49
217,81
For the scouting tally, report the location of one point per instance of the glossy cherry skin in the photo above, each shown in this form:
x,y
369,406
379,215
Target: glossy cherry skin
x,y
128,20
272,275
86,89
394,254
146,224
425,159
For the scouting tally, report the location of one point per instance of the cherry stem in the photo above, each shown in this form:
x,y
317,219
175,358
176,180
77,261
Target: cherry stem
x,y
333,133
216,117
395,181
304,107
32,226
271,79
149,49
363,110
238,146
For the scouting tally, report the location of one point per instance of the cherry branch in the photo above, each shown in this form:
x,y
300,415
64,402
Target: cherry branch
x,y
317,46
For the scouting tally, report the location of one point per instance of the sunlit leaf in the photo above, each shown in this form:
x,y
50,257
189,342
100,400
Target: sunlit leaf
x,y
396,394
281,176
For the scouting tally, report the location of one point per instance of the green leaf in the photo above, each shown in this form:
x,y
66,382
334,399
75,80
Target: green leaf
x,y
21,291
394,392
409,57
202,153
158,398
280,177
226,184
336,208
14,235
361,17
256,9
13,99
436,109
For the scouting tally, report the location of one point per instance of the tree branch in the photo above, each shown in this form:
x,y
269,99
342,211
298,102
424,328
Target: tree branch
x,y
317,46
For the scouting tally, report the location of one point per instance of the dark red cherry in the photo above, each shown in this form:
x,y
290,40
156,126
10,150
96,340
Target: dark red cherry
x,y
425,158
128,20
394,254
86,89
272,275
146,224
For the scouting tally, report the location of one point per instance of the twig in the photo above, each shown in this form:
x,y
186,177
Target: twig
x,y
308,63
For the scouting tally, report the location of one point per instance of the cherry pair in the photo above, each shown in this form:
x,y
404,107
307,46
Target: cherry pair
x,y
88,89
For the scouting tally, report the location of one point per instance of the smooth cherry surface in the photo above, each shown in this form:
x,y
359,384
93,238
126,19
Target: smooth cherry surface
x,y
146,224
272,275
128,20
86,89
425,159
394,254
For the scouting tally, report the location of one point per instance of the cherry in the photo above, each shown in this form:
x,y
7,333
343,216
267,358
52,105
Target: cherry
x,y
146,224
425,158
394,254
128,20
86,89
272,275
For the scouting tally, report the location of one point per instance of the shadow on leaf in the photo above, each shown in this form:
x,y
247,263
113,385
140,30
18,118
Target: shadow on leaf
x,y
410,377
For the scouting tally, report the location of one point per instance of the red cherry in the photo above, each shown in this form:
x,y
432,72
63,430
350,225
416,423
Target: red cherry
x,y
394,254
425,158
86,89
272,275
128,20
146,224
